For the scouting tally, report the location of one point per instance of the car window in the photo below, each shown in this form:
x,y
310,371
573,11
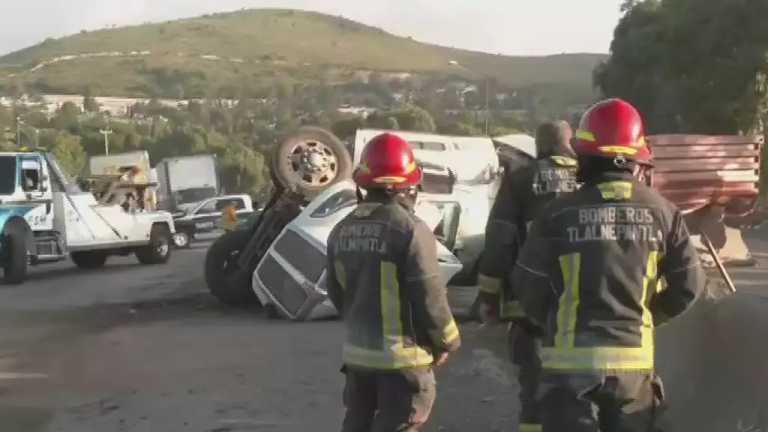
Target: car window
x,y
7,175
208,208
335,202
428,146
223,203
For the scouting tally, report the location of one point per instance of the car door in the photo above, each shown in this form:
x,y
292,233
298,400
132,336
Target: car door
x,y
206,217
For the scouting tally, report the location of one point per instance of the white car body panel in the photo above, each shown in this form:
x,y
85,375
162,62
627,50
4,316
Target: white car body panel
x,y
475,164
314,231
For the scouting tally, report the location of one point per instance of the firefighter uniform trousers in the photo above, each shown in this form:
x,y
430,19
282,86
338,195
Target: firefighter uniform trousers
x,y
379,401
600,401
524,349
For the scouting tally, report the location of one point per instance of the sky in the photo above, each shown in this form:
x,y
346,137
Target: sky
x,y
515,27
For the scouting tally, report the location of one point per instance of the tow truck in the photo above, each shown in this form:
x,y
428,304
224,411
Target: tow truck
x,y
45,217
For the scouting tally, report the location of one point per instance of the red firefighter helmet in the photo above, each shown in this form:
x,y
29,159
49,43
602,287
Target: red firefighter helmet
x,y
387,163
610,129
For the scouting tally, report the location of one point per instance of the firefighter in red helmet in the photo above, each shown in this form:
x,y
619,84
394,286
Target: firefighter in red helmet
x,y
384,279
589,278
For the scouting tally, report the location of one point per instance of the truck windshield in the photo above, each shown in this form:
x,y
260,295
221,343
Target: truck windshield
x,y
7,175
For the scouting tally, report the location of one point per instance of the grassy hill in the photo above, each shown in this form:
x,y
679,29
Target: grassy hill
x,y
257,45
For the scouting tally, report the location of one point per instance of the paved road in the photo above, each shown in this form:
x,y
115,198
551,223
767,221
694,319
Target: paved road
x,y
135,348
143,349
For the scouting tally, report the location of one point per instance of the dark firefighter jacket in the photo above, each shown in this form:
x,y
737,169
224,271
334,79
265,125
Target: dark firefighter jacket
x,y
522,195
590,274
383,277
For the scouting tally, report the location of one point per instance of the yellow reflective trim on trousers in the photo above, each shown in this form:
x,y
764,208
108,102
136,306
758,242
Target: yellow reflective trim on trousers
x,y
616,190
568,308
530,427
511,309
489,285
403,357
341,274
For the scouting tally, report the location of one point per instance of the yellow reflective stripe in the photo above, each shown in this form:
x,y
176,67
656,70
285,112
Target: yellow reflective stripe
x,y
616,190
402,357
619,149
448,334
650,281
616,358
567,311
489,285
391,322
585,135
530,427
341,274
511,309
564,161
597,358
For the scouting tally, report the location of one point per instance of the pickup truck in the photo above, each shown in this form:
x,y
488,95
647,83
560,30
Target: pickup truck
x,y
46,217
279,260
205,217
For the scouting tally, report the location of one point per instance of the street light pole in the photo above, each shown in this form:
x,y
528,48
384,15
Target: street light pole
x,y
106,132
18,131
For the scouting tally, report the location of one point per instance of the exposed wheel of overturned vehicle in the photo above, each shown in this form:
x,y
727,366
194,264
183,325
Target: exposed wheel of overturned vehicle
x,y
225,279
311,160
89,259
14,244
158,251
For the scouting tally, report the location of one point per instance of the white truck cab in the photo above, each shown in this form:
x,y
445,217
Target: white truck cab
x,y
45,217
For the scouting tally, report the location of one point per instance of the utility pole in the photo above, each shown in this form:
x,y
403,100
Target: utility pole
x,y
18,131
106,132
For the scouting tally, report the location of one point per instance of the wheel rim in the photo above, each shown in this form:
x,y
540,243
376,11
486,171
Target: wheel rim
x,y
181,239
162,247
313,163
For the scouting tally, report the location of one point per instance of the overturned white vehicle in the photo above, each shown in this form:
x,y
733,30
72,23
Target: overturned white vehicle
x,y
279,260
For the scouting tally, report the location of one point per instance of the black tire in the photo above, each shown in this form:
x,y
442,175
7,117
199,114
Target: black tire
x,y
15,245
310,161
182,239
89,259
226,280
158,251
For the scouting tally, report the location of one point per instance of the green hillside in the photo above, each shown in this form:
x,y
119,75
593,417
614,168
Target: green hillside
x,y
196,55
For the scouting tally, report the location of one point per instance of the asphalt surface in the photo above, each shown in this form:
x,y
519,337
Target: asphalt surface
x,y
144,348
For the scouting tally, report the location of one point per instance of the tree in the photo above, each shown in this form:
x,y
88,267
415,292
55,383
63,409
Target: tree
x,y
89,102
67,117
691,66
69,153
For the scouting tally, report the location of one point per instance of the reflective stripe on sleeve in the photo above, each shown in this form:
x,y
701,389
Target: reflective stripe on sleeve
x,y
447,335
530,427
390,359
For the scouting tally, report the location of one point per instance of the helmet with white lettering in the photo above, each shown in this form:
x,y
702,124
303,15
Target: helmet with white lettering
x,y
613,129
387,163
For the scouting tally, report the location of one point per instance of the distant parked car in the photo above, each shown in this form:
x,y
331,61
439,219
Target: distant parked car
x,y
206,216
